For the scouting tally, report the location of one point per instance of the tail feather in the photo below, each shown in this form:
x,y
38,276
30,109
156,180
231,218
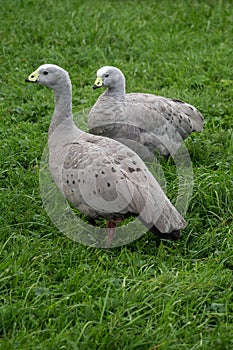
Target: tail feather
x,y
173,235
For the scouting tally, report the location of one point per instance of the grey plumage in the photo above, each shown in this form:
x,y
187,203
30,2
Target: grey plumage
x,y
147,123
100,176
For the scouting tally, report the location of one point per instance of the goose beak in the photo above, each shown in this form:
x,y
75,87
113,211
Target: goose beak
x,y
98,83
32,78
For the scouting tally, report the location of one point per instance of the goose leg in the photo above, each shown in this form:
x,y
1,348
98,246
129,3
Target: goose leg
x,y
111,228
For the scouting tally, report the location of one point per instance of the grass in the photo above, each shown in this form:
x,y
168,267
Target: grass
x,y
58,294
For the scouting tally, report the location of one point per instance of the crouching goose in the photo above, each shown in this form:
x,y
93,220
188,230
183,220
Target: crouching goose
x,y
146,123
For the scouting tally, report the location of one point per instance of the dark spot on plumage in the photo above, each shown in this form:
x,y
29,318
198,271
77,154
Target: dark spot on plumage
x,y
67,181
131,170
106,161
96,175
79,180
94,192
108,184
113,169
116,162
134,162
102,172
176,100
73,182
138,169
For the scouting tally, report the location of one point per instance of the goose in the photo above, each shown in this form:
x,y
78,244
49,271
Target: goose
x,y
147,123
101,177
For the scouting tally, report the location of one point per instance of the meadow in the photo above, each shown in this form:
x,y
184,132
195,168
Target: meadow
x,y
58,294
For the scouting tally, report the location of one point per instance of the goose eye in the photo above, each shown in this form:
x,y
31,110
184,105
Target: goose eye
x,y
106,75
45,72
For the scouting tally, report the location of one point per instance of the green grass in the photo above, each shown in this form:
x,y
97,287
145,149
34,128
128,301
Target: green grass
x,y
57,294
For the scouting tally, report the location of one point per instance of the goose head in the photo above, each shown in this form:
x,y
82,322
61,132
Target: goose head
x,y
49,75
109,77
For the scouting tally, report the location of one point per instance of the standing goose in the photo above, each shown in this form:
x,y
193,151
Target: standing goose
x,y
101,177
147,123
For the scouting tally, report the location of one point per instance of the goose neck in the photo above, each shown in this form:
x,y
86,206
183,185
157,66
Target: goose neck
x,y
63,107
120,91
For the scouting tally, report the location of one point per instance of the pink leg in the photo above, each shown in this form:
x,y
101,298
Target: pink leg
x,y
111,228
